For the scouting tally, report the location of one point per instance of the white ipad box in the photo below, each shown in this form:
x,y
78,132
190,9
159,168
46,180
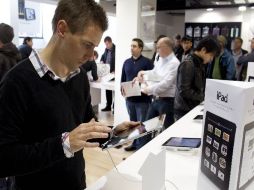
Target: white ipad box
x,y
227,158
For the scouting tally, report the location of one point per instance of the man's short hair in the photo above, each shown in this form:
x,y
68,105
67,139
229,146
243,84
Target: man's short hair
x,y
222,39
79,14
168,42
107,39
140,42
210,44
159,37
178,37
240,39
186,38
6,33
27,39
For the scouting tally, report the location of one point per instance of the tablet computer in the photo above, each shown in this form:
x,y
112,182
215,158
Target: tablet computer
x,y
150,126
198,117
182,143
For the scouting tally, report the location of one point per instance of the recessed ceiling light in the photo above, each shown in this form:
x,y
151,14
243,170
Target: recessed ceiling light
x,y
221,2
242,8
209,9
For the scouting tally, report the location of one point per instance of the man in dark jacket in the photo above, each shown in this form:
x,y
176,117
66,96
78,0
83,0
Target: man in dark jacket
x,y
26,48
108,57
243,62
190,84
187,48
223,66
178,49
237,52
9,54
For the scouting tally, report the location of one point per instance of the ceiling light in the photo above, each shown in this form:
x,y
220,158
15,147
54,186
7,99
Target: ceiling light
x,y
252,7
209,9
239,1
242,8
221,2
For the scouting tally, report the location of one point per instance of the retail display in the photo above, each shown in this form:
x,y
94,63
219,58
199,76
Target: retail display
x,y
227,158
197,31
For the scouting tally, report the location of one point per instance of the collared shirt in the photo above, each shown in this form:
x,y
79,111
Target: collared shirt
x,y
164,71
42,69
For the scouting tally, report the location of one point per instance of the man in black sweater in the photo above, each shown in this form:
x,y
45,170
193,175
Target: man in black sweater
x,y
46,118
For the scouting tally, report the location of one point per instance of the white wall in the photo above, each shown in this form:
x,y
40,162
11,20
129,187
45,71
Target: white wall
x,y
226,15
47,11
169,25
127,29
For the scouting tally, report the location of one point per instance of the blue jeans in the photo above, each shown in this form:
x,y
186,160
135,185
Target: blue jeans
x,y
137,112
162,106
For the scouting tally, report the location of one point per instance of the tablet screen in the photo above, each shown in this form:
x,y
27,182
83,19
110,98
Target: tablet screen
x,y
149,126
183,142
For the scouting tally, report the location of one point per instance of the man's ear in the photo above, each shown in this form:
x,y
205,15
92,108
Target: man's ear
x,y
62,28
203,49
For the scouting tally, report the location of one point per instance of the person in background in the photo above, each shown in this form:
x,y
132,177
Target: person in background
x,y
9,54
155,54
237,52
190,84
46,117
26,48
137,106
186,43
243,62
90,65
223,66
178,49
163,88
108,57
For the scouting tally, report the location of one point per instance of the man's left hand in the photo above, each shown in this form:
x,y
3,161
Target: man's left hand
x,y
125,126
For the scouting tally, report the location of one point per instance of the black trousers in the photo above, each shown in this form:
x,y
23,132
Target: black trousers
x,y
109,96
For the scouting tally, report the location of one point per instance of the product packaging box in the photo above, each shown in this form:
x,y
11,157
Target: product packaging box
x,y
227,158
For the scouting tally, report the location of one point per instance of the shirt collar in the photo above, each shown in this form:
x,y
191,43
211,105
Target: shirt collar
x,y
42,69
166,59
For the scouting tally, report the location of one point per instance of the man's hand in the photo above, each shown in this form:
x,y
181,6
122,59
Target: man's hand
x,y
123,92
125,126
85,131
141,76
144,90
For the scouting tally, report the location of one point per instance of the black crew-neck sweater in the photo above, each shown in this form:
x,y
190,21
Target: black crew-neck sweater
x,y
34,112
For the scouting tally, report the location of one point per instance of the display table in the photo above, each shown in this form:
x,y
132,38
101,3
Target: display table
x,y
95,90
181,166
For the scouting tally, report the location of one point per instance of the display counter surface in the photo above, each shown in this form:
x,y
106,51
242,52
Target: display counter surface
x,y
181,166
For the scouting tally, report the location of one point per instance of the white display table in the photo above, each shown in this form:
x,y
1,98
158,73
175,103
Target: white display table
x,y
181,166
95,90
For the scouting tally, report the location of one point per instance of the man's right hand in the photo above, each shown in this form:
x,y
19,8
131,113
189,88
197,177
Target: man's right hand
x,y
140,77
85,131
